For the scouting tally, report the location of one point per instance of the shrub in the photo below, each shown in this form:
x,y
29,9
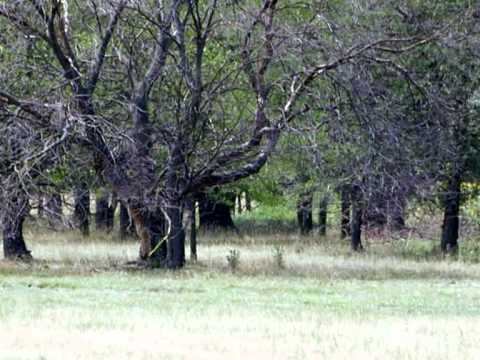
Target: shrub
x,y
470,251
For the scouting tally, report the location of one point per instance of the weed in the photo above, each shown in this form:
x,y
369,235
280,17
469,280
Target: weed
x,y
278,257
233,259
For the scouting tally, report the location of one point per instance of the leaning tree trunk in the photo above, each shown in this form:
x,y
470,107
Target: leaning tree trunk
x,y
322,216
451,222
304,213
356,224
345,211
81,211
214,214
14,246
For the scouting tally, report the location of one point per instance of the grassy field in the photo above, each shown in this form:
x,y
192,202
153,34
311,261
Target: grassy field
x,y
303,300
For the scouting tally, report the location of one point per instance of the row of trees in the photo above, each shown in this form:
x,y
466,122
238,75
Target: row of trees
x,y
160,101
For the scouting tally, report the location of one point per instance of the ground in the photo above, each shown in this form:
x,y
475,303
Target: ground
x,y
302,300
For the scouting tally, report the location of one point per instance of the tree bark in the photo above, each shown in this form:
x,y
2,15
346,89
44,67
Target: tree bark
x,y
322,216
345,206
451,221
14,246
81,211
356,225
304,213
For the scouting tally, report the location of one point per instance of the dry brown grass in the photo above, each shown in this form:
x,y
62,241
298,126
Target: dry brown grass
x,y
78,301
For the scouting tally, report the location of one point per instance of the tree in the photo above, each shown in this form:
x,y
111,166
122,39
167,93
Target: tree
x,y
179,138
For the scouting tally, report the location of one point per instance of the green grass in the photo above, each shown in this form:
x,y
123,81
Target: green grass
x,y
79,301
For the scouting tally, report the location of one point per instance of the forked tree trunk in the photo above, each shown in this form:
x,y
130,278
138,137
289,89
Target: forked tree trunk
x,y
451,221
345,211
322,216
81,211
14,246
304,213
357,213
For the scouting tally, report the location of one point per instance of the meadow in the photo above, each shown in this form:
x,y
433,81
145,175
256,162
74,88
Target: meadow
x,y
276,297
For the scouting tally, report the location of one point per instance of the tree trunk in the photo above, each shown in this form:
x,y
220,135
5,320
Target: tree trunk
x,y
193,231
40,209
105,205
345,211
451,221
304,213
150,228
356,224
14,246
126,226
81,211
54,211
397,217
174,207
248,201
214,214
239,203
176,238
101,209
322,216
156,224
